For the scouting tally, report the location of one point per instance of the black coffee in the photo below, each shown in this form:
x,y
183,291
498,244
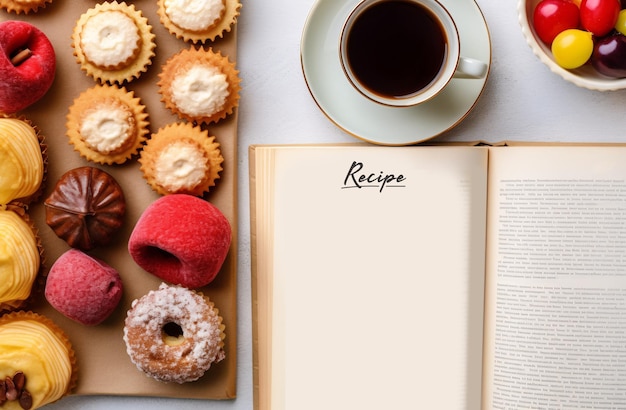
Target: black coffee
x,y
396,48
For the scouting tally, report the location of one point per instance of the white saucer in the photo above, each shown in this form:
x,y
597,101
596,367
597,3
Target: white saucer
x,y
376,123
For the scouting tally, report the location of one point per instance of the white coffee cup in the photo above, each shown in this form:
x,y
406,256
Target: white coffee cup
x,y
403,52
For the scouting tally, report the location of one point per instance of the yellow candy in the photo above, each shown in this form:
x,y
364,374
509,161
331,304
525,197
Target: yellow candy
x,y
620,25
572,48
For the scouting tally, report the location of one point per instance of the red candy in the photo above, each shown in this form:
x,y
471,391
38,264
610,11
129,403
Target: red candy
x,y
83,288
554,16
599,16
181,239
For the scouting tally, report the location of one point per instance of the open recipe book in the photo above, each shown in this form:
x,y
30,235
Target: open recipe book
x,y
439,277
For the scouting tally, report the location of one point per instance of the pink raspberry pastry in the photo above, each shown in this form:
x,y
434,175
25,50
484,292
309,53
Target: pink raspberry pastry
x,y
83,288
181,239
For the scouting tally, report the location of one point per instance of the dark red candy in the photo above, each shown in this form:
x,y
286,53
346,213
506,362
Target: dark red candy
x,y
609,56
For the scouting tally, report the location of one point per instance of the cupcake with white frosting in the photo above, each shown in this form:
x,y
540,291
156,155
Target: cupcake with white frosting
x,y
23,6
200,85
198,20
107,124
113,42
181,159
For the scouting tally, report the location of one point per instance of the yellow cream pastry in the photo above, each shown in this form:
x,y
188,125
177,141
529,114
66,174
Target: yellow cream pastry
x,y
181,158
21,160
107,124
23,6
200,85
113,42
20,259
198,20
37,358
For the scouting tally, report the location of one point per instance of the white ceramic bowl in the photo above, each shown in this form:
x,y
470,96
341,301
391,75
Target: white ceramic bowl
x,y
585,76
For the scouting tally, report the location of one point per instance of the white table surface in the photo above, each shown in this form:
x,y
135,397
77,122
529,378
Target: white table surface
x,y
522,100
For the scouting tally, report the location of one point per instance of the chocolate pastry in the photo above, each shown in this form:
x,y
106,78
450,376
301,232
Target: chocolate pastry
x,y
86,208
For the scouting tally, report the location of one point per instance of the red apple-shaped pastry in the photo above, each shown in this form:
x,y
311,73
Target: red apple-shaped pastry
x,y
27,65
83,288
182,239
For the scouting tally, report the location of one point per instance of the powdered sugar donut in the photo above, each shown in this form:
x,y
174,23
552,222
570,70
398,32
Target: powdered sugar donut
x,y
174,334
182,239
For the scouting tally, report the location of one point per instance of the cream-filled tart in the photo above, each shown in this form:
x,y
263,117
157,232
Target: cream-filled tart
x,y
107,124
181,159
198,20
113,42
23,6
200,85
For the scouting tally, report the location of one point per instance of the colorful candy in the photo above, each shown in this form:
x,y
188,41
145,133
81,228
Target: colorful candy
x,y
584,31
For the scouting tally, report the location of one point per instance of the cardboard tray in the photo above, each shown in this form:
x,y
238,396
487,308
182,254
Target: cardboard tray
x,y
104,367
